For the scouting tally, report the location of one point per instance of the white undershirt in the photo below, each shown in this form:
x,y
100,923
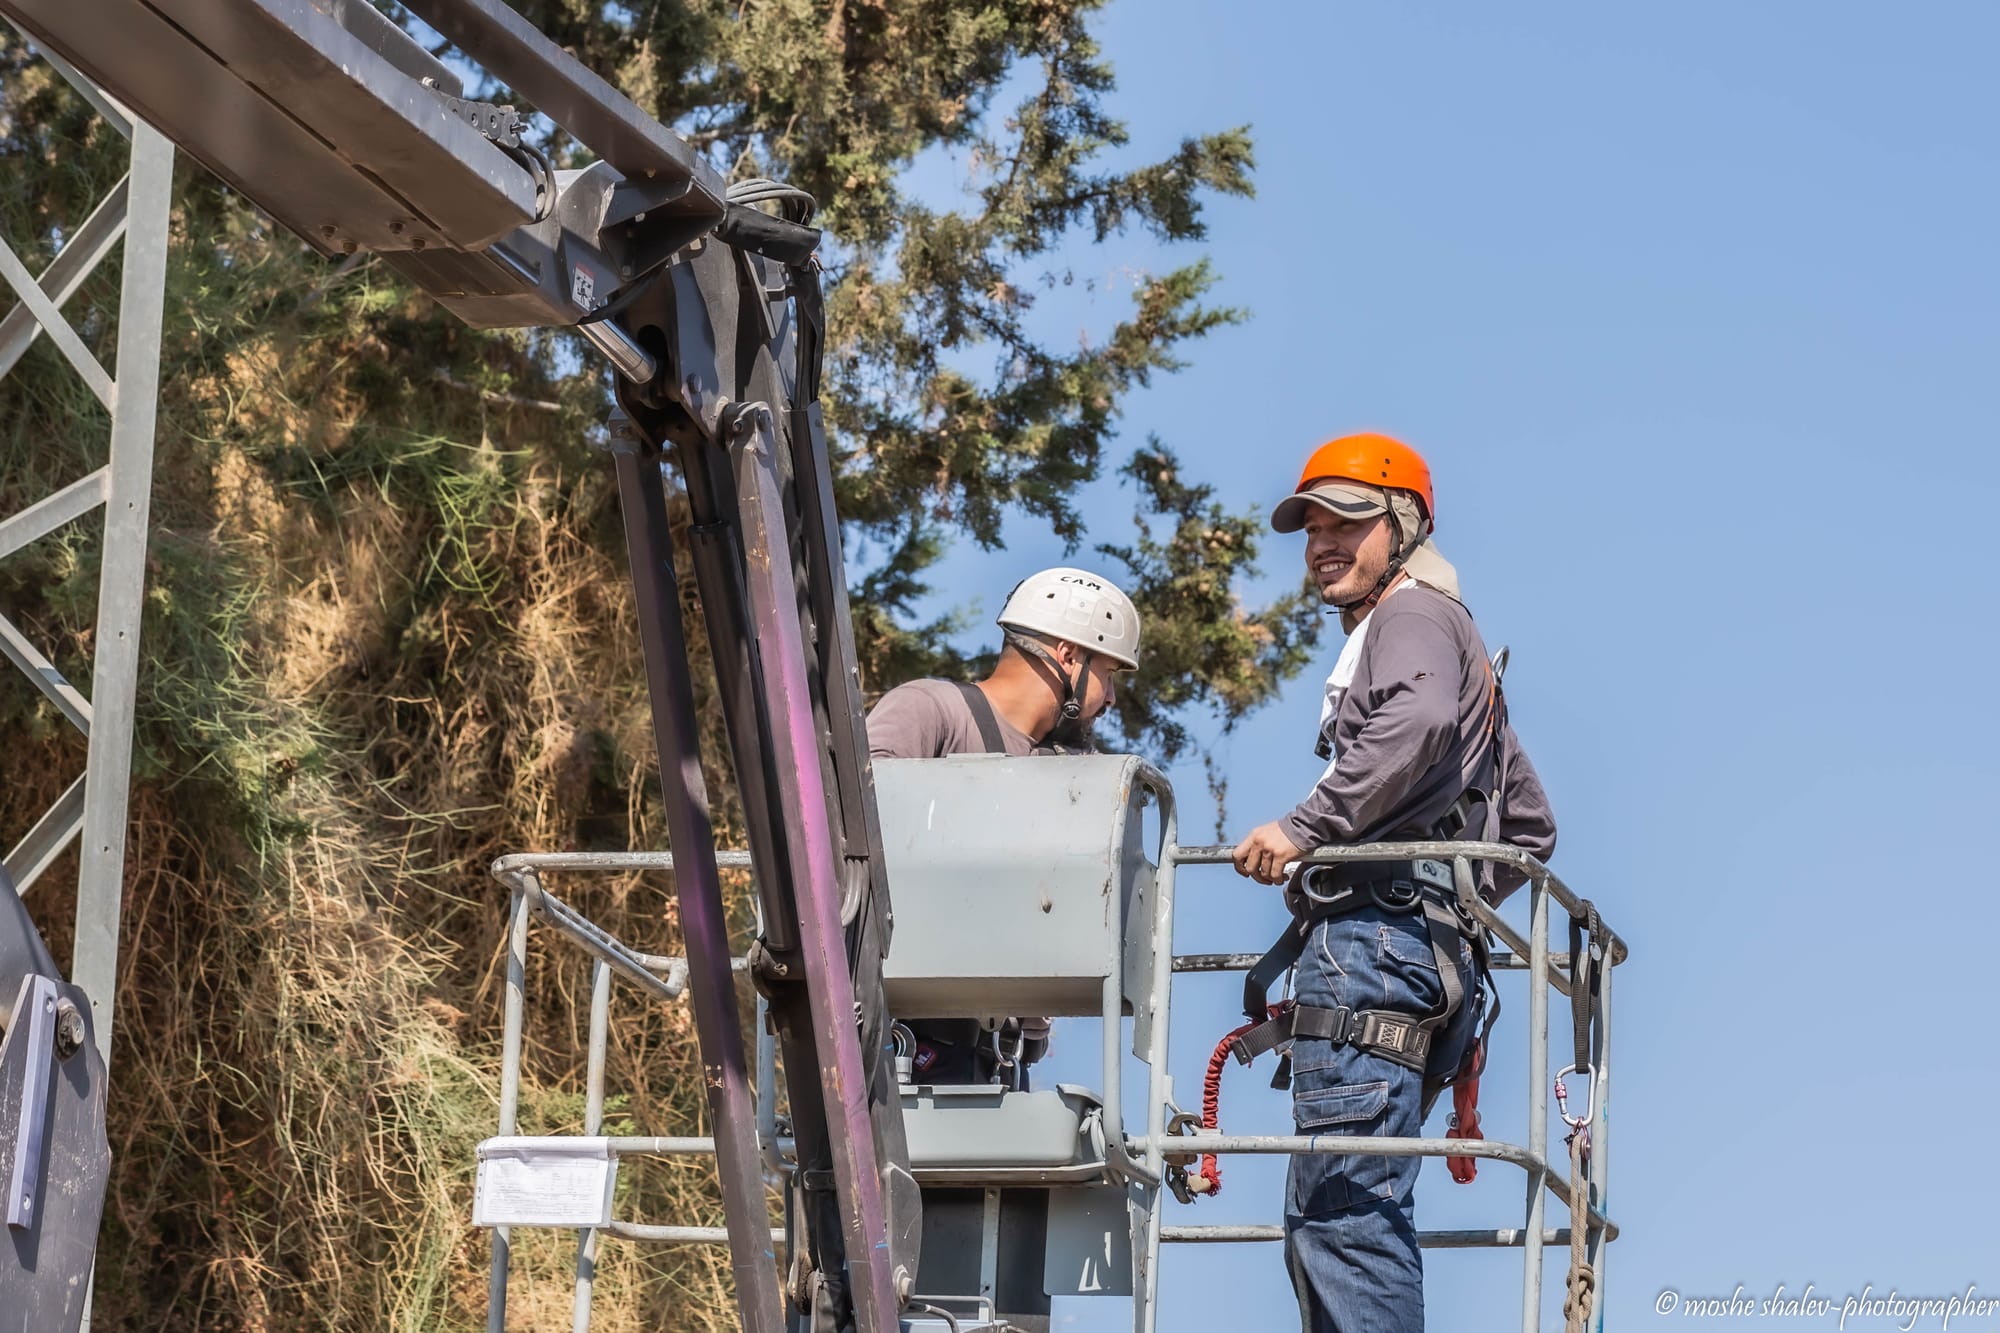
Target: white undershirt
x,y
1344,668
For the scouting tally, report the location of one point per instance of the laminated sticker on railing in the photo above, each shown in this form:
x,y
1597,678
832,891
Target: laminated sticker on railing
x,y
559,1181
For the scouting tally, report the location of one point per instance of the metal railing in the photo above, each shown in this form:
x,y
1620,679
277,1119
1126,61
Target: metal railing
x,y
661,976
1529,952
1139,1161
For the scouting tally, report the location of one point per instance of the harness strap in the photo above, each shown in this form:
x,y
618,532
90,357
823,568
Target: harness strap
x,y
1442,923
1277,960
981,709
1585,961
1394,886
1407,886
1070,707
1397,1037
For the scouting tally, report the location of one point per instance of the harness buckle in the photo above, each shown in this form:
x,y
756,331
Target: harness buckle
x,y
1335,1025
1393,1037
1327,888
1395,895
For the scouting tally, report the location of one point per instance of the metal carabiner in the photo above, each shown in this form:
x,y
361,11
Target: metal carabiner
x,y
1008,1065
1308,885
1589,1073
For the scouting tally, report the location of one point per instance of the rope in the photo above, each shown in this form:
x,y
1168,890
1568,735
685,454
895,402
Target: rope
x,y
1464,1125
1582,1281
1586,974
1207,1177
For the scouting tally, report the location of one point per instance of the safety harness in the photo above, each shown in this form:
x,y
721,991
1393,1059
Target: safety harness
x,y
1421,886
1424,886
1429,886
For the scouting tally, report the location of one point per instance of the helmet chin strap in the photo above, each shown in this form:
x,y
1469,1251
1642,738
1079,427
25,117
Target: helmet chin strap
x,y
1368,601
1069,710
1355,610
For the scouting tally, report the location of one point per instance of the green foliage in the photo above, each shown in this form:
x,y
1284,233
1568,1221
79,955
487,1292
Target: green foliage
x,y
839,98
1202,645
388,633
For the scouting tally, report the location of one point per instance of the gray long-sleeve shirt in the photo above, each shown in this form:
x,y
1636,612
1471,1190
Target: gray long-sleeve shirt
x,y
1414,730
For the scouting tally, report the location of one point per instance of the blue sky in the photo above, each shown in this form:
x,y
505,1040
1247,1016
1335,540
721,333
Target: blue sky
x,y
1696,311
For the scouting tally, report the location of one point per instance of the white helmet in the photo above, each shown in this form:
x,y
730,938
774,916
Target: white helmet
x,y
1077,607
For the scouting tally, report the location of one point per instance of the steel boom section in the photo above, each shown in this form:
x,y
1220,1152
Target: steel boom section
x,y
817,881
718,1025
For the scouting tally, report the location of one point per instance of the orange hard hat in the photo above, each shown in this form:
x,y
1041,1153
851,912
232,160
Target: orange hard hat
x,y
1377,460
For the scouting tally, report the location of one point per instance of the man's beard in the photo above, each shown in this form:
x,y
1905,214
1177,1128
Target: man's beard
x,y
1360,579
1073,734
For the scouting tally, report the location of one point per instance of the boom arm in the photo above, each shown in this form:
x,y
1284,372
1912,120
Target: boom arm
x,y
342,127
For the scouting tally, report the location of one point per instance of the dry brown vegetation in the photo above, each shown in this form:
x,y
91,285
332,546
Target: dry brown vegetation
x,y
385,644
388,638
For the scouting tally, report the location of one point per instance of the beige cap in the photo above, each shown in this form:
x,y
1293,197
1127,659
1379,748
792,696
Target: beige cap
x,y
1345,499
1428,567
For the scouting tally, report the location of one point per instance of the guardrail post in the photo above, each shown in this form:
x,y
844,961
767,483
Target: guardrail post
x,y
1538,1102
1600,1139
510,1090
593,1123
1146,1291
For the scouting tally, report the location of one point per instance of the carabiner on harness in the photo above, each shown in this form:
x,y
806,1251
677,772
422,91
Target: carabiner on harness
x,y
1005,1044
1577,1123
1323,886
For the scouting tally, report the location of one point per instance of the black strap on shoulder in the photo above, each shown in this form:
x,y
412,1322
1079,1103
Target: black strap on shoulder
x,y
983,717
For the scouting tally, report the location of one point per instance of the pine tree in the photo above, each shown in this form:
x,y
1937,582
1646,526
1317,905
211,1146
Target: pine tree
x,y
388,634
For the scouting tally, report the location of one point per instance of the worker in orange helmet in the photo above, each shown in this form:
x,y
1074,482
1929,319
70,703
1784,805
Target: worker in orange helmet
x,y
1390,974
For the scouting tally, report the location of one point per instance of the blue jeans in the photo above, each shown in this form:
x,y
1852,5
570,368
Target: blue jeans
x,y
1350,1227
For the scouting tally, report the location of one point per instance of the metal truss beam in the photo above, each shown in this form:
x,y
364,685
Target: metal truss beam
x,y
47,839
122,586
43,675
50,512
86,248
51,319
93,808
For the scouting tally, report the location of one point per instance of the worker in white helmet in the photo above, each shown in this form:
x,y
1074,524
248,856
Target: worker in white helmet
x,y
1068,634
